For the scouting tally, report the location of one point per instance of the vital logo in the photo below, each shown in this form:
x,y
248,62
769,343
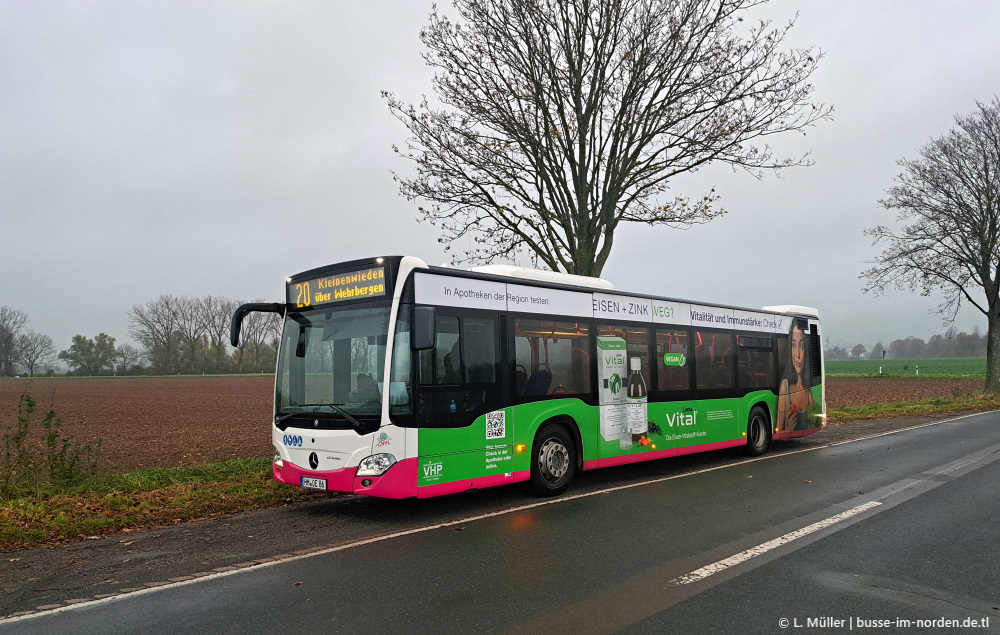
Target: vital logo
x,y
432,471
615,384
383,440
686,418
674,359
615,360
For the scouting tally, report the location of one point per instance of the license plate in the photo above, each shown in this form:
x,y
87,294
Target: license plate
x,y
313,483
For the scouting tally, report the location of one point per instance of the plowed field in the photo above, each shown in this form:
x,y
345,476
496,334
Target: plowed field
x,y
160,422
843,392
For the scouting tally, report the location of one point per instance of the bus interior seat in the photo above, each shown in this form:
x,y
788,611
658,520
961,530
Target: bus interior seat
x,y
366,382
520,378
367,388
538,384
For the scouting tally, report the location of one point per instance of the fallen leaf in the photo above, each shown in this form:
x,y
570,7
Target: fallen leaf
x,y
807,481
459,528
13,559
749,476
297,583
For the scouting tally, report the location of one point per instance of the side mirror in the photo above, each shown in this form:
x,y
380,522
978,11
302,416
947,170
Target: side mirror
x,y
241,312
422,328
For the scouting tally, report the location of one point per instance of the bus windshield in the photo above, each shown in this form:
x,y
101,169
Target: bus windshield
x,y
331,365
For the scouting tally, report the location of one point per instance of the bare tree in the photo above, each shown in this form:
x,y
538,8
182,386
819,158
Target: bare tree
x,y
948,202
34,349
128,356
191,328
12,323
154,325
562,120
216,313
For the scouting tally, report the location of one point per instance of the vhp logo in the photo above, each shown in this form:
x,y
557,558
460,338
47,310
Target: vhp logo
x,y
433,470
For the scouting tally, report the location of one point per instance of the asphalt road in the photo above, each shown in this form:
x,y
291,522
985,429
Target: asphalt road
x,y
898,527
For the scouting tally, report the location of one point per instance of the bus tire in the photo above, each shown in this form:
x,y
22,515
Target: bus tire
x,y
553,460
758,432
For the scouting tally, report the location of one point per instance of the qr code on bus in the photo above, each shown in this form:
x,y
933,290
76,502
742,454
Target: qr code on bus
x,y
496,425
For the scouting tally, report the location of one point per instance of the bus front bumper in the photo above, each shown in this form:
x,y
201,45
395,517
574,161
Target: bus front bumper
x,y
399,481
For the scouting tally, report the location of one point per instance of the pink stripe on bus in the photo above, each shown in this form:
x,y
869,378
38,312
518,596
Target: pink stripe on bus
x,y
341,480
399,482
454,487
660,454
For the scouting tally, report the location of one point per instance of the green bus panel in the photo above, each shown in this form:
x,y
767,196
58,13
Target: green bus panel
x,y
490,446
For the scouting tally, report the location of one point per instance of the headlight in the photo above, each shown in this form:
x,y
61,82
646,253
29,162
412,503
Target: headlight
x,y
375,465
277,457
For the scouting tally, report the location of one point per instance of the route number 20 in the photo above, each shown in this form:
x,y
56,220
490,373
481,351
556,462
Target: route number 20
x,y
302,294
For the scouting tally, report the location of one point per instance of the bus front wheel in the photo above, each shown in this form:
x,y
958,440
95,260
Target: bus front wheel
x,y
758,432
553,460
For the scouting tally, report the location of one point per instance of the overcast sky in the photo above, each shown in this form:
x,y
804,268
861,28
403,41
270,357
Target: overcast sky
x,y
196,148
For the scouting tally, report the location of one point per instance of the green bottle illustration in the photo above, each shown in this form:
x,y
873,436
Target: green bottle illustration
x,y
638,423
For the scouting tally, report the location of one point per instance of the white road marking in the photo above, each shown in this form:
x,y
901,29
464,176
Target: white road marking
x,y
743,556
417,530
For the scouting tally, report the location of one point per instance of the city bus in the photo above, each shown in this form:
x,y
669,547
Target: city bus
x,y
398,379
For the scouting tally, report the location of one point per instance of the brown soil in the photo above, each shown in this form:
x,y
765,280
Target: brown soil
x,y
153,421
842,391
160,422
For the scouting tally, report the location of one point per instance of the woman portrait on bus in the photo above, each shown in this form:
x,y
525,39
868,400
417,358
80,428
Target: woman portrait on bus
x,y
795,397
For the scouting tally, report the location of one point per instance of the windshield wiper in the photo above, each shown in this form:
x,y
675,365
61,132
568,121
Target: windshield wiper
x,y
278,420
358,425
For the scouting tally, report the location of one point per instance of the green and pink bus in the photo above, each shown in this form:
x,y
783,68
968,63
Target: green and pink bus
x,y
398,379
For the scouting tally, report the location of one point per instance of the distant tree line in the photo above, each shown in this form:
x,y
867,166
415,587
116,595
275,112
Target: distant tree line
x,y
946,345
21,347
175,335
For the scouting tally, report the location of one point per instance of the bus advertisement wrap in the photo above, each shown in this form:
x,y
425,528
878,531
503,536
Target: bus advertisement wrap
x,y
522,379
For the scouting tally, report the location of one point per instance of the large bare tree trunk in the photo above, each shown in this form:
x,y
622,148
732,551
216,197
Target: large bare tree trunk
x,y
993,351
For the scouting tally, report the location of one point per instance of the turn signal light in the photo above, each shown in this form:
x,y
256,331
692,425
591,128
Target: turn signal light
x,y
520,447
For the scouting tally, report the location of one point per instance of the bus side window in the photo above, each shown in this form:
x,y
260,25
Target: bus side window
x,y
714,359
673,359
551,358
458,377
480,342
442,364
756,362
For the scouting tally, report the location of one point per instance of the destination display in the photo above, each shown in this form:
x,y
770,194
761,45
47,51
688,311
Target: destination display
x,y
348,285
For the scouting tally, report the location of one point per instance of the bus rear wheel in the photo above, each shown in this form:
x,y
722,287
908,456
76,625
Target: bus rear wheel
x,y
553,460
758,432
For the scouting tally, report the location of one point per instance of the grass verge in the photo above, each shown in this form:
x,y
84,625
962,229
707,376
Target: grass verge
x,y
937,405
141,499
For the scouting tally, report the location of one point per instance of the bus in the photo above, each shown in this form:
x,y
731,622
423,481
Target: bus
x,y
398,379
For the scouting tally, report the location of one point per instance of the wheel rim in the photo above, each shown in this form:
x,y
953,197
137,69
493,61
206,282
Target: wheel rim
x,y
757,432
553,460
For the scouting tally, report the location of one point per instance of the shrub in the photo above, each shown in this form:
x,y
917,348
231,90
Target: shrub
x,y
35,454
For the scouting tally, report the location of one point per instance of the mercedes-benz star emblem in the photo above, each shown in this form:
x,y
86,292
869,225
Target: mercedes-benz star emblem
x,y
313,460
